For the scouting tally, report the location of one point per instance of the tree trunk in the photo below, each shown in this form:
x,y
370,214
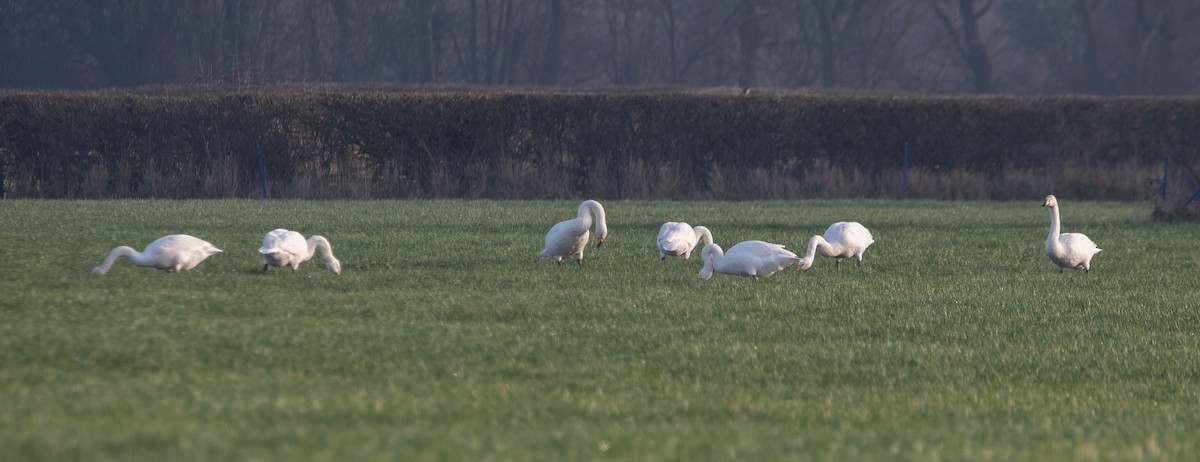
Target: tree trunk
x,y
556,33
750,34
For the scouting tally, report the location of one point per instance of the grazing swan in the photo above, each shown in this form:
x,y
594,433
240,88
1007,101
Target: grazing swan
x,y
844,239
568,238
288,248
177,252
675,239
1070,250
748,258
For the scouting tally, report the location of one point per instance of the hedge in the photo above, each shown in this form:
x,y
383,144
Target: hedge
x,y
670,144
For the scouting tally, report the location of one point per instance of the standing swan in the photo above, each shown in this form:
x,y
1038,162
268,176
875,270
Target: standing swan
x,y
177,252
844,239
748,258
568,238
288,248
1070,250
678,238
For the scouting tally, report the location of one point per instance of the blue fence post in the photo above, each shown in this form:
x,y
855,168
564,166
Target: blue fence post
x,y
904,186
262,172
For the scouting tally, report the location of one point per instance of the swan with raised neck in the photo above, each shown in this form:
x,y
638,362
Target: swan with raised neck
x,y
1067,250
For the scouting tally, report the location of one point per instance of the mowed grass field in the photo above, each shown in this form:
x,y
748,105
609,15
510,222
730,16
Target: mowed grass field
x,y
445,338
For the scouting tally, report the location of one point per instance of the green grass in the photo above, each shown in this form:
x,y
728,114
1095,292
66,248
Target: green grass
x,y
445,338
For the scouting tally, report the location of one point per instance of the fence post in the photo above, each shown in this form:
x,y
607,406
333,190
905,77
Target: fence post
x,y
1163,190
904,187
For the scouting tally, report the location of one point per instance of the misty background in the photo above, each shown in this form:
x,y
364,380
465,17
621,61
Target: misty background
x,y
1105,47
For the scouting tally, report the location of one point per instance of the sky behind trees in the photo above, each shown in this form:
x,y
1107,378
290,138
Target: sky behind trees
x,y
1107,47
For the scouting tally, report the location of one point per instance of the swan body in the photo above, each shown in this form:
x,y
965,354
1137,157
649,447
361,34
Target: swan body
x,y
288,248
177,252
844,239
748,258
679,239
568,238
1067,250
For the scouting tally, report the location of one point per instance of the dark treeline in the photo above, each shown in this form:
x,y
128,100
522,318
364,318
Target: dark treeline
x,y
943,46
330,142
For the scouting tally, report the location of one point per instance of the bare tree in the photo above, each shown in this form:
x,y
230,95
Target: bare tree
x,y
833,18
751,34
963,27
555,41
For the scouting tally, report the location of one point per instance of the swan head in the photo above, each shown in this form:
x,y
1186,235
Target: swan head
x,y
601,231
709,254
334,266
1050,201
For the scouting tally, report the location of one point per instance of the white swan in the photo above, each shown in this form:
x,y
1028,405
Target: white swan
x,y
568,238
749,258
177,252
678,238
1070,250
289,248
844,239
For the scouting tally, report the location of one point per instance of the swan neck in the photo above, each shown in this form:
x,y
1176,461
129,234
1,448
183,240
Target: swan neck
x,y
1054,224
710,255
589,209
813,244
116,253
811,253
319,243
703,235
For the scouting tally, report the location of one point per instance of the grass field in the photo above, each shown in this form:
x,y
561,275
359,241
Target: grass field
x,y
446,339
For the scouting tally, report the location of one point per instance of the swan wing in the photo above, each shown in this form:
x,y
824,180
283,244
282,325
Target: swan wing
x,y
757,258
178,252
272,240
282,247
676,238
565,239
760,249
1078,244
850,237
294,244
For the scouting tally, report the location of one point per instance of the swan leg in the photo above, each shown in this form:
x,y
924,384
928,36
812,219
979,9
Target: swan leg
x,y
837,263
858,263
265,266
